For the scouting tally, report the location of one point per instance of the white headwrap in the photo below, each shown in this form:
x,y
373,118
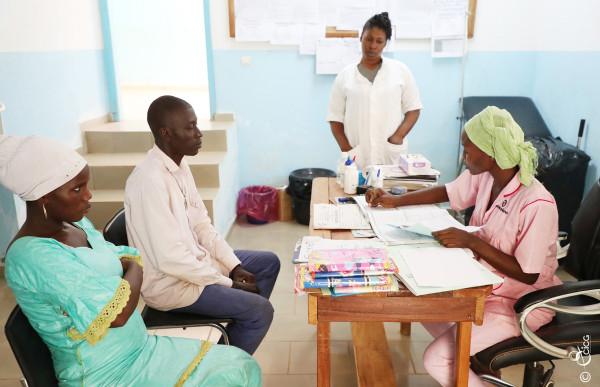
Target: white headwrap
x,y
34,166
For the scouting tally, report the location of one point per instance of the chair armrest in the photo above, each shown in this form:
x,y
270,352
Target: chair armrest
x,y
546,298
552,293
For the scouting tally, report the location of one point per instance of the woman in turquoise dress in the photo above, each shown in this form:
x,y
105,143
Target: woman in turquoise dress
x,y
80,293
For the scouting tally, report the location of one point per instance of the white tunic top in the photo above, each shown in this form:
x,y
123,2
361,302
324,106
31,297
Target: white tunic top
x,y
371,112
168,223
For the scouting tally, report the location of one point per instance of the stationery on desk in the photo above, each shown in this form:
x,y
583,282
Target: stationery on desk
x,y
347,271
310,243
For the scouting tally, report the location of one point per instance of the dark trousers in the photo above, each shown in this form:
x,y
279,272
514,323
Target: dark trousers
x,y
252,313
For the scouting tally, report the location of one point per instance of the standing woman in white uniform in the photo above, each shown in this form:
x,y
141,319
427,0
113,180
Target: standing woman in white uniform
x,y
374,104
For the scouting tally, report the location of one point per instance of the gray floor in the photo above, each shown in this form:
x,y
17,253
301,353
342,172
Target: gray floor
x,y
288,354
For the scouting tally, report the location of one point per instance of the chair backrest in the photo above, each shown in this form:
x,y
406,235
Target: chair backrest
x,y
522,109
583,258
115,230
31,352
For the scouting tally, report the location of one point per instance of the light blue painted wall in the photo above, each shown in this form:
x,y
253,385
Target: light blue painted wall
x,y
280,106
567,89
50,92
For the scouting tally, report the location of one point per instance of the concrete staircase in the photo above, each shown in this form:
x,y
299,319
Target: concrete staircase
x,y
114,149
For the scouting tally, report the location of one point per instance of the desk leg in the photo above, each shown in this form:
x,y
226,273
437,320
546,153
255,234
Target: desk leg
x,y
463,348
405,329
323,354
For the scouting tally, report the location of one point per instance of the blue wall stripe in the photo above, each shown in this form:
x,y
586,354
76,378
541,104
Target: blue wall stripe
x,y
112,84
209,60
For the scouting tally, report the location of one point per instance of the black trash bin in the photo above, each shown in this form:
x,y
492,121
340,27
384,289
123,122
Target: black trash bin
x,y
300,189
561,169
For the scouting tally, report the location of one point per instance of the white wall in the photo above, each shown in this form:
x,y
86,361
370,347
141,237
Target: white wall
x,y
57,25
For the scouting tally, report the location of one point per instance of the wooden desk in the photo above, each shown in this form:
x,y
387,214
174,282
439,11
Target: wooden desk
x,y
367,312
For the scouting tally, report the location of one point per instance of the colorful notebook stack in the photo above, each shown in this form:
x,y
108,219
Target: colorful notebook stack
x,y
348,271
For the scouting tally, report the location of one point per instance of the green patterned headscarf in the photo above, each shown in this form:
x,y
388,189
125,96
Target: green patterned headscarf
x,y
495,132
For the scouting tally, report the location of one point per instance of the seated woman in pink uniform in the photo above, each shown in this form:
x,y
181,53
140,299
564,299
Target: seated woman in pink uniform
x,y
517,241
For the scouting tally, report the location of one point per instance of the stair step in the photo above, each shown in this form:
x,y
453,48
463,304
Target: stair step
x,y
111,170
134,136
106,202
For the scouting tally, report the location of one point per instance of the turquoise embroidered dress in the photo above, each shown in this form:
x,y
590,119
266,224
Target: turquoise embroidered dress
x,y
72,295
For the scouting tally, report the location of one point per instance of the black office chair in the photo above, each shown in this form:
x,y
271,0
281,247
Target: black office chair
x,y
116,233
31,352
576,326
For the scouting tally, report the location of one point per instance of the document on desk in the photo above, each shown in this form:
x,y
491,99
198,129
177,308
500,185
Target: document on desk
x,y
383,219
346,217
426,227
432,274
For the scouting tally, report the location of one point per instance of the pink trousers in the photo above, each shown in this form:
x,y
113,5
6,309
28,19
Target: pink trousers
x,y
498,324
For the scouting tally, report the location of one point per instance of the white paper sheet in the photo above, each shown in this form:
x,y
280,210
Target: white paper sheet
x,y
448,25
426,227
354,14
404,274
251,9
305,11
252,30
412,19
441,266
336,53
450,6
310,34
287,33
347,217
382,218
329,12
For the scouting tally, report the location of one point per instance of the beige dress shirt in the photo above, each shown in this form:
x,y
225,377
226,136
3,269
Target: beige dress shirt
x,y
168,223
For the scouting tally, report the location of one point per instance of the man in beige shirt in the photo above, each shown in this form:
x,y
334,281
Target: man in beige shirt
x,y
188,266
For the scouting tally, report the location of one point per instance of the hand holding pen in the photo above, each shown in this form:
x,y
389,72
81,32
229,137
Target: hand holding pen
x,y
378,197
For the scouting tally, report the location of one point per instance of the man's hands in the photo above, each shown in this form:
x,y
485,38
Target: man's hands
x,y
244,280
379,197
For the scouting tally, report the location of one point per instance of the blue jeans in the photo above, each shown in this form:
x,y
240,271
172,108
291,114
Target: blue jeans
x,y
252,313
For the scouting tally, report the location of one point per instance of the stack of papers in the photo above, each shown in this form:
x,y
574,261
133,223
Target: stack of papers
x,y
385,220
434,269
393,176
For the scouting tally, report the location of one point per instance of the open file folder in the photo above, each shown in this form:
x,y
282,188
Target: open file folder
x,y
439,269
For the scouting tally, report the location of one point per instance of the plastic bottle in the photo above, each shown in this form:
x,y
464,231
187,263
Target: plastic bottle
x,y
340,169
350,179
378,178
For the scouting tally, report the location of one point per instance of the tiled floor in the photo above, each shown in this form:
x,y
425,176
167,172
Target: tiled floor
x,y
288,355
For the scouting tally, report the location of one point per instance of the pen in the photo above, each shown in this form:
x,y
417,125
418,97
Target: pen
x,y
343,200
